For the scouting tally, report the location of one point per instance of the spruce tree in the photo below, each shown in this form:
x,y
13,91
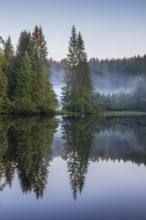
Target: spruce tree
x,y
3,90
23,91
3,84
9,70
24,44
77,95
72,50
43,94
84,87
8,52
67,90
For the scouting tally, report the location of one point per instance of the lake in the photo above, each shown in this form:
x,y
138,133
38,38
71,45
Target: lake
x,y
73,168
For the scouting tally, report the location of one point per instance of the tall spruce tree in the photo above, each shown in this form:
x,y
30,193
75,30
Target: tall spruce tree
x,y
84,87
67,90
77,95
24,44
23,90
9,59
43,94
3,84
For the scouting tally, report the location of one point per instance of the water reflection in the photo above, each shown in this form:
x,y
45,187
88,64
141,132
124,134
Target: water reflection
x,y
27,146
26,149
121,139
78,136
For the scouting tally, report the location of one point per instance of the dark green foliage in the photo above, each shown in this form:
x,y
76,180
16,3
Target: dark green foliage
x,y
129,67
3,90
8,55
29,89
72,50
43,95
23,89
40,49
9,70
69,79
3,84
78,91
24,44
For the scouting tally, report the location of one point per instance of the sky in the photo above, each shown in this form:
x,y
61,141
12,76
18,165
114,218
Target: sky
x,y
110,28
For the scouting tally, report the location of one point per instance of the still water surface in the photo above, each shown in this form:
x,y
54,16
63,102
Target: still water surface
x,y
73,168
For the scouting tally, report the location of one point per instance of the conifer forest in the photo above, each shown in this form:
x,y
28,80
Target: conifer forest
x,y
29,81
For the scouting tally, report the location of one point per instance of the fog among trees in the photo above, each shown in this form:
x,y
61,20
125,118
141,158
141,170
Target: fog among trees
x,y
29,82
119,84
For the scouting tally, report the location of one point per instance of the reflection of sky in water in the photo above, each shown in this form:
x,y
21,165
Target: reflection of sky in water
x,y
57,144
111,189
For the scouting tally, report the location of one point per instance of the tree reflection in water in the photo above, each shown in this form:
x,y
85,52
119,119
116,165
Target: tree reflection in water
x,y
78,136
26,147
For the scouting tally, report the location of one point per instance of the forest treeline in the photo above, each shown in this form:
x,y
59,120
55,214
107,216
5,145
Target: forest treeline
x,y
88,86
24,75
118,84
122,81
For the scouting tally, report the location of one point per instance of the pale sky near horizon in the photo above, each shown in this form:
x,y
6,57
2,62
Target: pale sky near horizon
x,y
110,28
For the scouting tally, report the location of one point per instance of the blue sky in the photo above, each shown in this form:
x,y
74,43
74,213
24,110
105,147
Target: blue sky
x,y
110,28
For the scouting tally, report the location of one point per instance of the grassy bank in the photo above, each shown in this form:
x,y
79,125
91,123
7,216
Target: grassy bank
x,y
104,113
122,113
